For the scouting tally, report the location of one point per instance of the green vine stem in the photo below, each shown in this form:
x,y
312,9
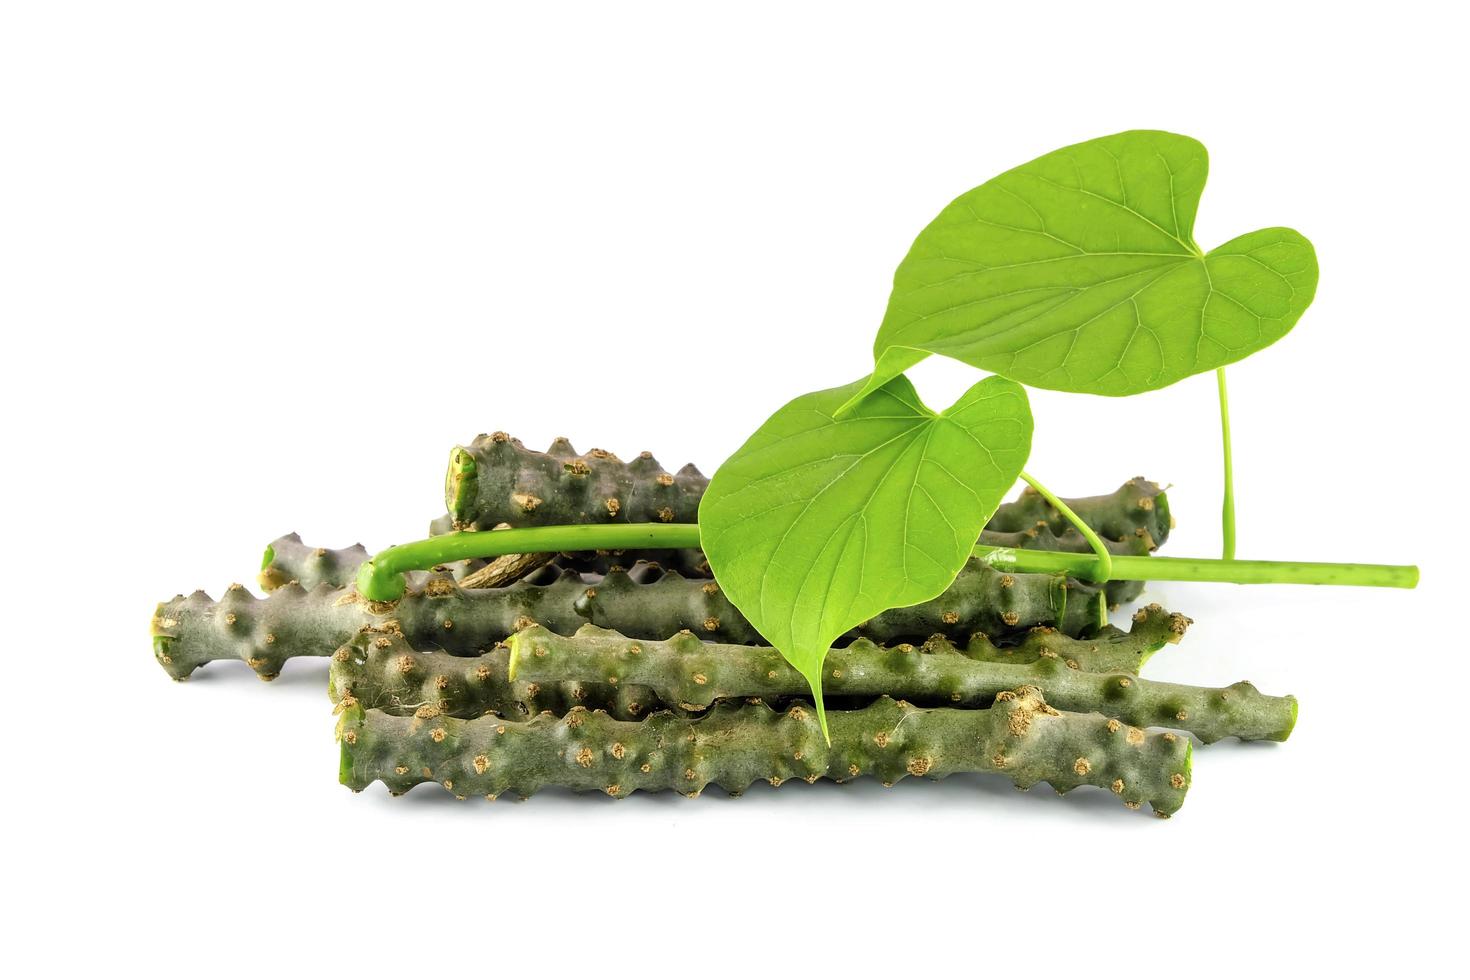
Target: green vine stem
x,y
1104,569
1227,508
381,579
1237,572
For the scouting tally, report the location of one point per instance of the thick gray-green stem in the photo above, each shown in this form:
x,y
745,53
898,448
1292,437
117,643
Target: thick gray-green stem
x,y
691,674
190,631
437,613
981,600
737,744
381,669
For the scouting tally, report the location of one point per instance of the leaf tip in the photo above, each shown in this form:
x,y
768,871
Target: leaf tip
x,y
815,683
514,642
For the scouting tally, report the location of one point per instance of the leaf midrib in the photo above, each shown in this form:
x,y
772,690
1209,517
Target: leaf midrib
x,y
770,561
1158,272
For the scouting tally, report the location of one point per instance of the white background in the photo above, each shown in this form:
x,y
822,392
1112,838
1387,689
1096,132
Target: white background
x,y
262,265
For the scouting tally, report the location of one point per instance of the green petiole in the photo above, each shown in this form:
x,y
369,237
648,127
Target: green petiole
x,y
1227,508
1241,572
381,579
1103,570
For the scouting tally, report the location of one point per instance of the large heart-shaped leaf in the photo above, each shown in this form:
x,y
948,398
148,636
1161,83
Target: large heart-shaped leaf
x,y
816,525
1078,271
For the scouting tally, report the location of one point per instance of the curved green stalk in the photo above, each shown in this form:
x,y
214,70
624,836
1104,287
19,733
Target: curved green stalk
x,y
1104,569
1206,569
1227,509
381,579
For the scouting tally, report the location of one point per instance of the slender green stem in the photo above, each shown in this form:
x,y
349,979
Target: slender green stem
x,y
1227,509
381,579
1104,568
1153,568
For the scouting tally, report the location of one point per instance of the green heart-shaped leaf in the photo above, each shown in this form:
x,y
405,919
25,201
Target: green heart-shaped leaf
x,y
1078,271
816,525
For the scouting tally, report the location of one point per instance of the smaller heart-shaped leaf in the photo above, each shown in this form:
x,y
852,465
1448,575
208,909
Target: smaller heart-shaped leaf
x,y
817,524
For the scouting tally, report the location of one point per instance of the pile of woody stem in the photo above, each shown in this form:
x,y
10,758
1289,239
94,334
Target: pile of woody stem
x,y
621,669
